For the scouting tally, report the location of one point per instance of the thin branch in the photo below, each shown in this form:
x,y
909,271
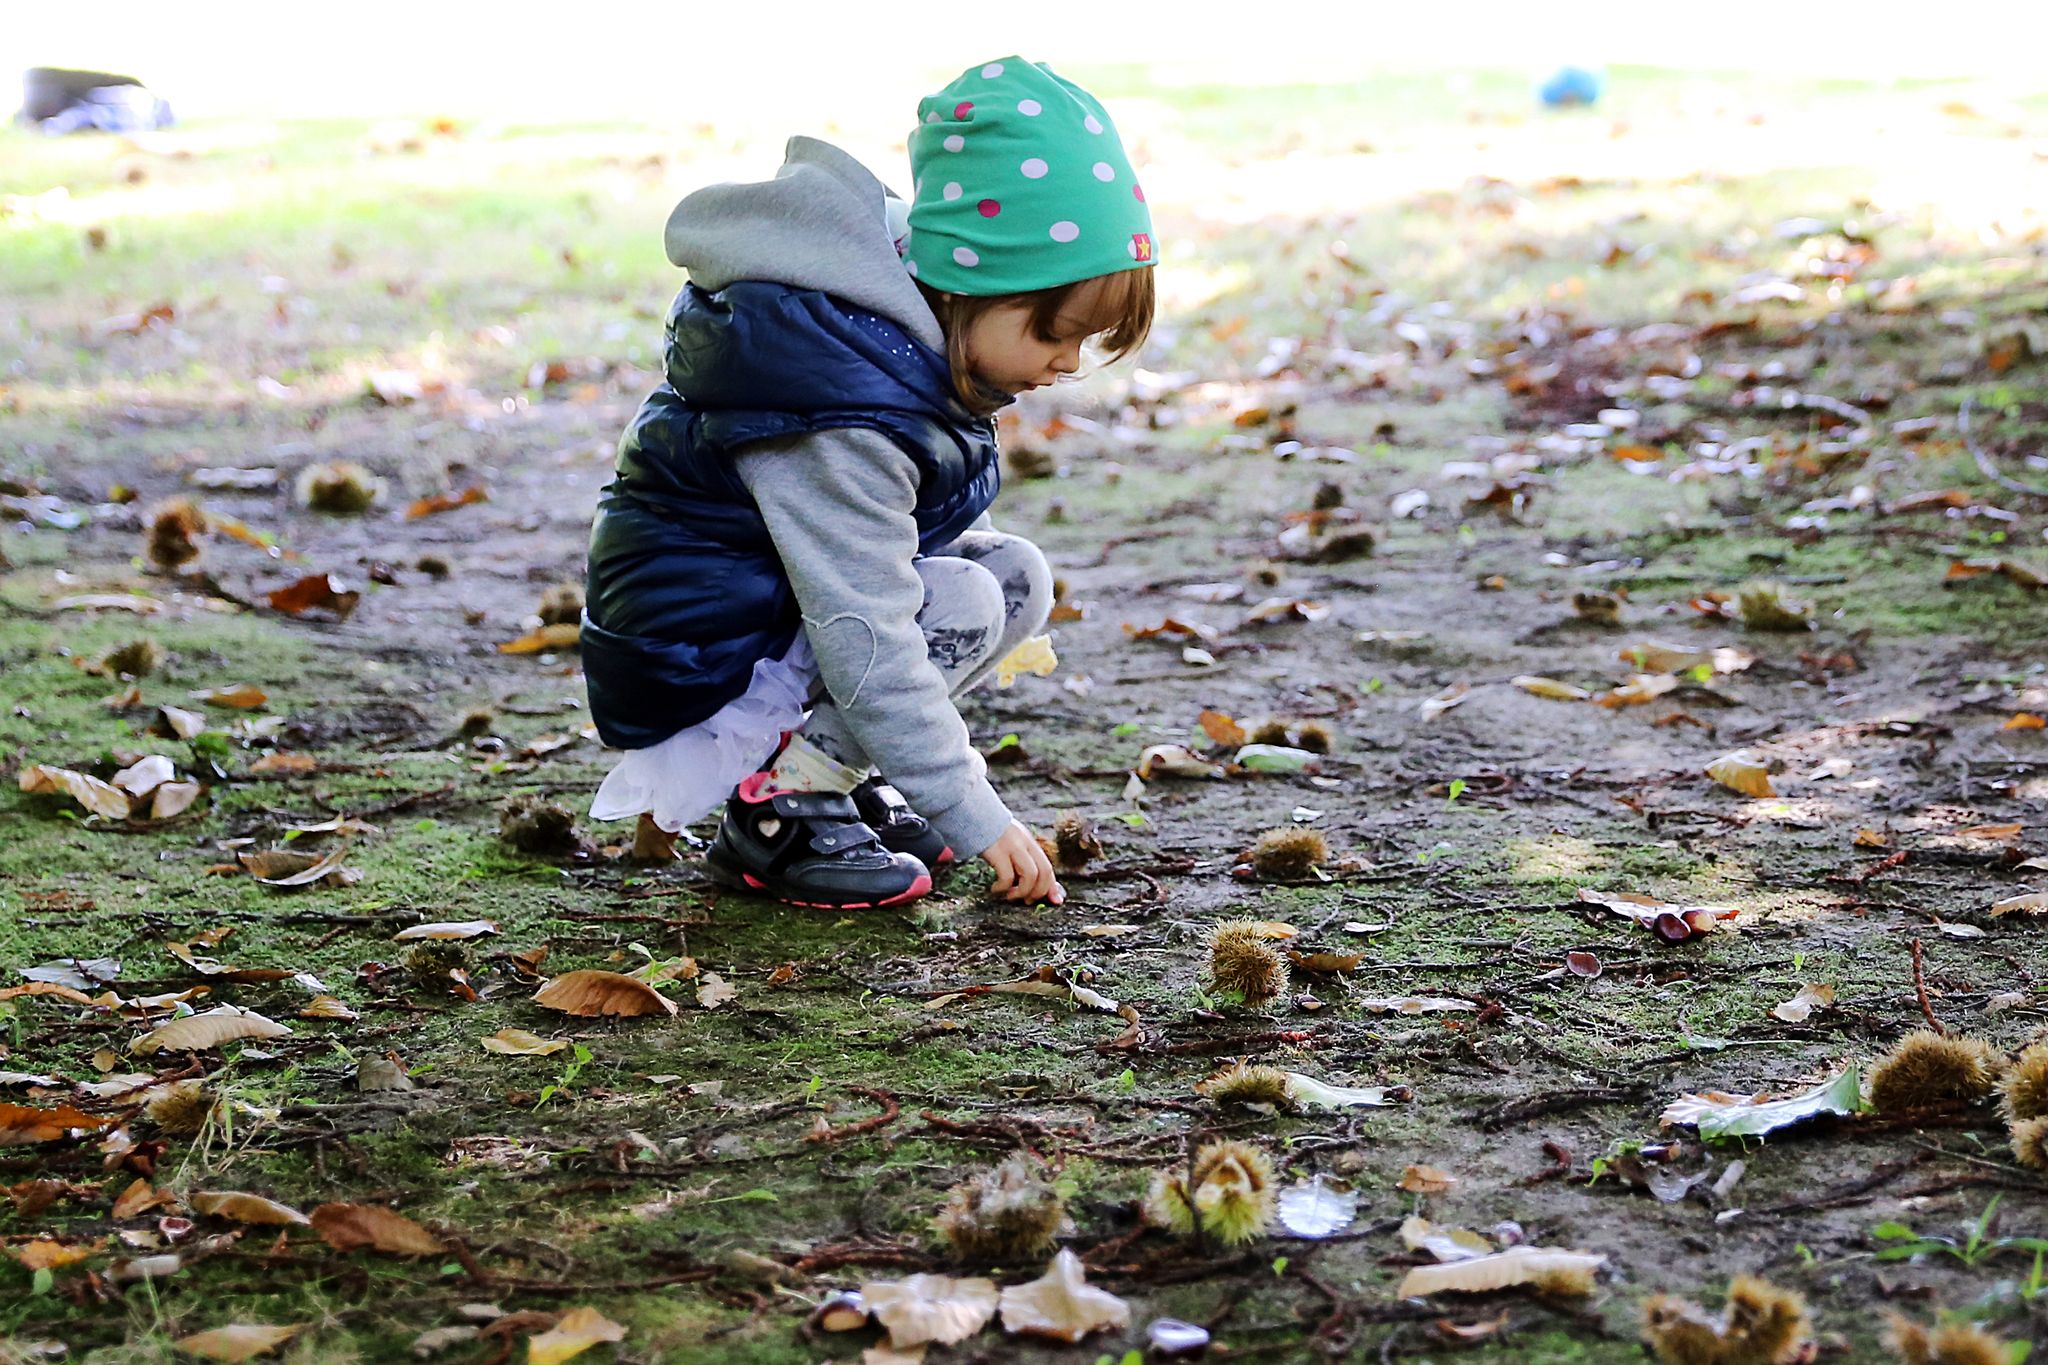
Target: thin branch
x,y
1983,459
1920,990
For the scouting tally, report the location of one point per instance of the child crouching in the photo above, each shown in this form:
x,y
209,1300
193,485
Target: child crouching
x,y
793,573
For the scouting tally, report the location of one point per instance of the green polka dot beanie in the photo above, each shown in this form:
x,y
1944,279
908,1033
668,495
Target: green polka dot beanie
x,y
1021,184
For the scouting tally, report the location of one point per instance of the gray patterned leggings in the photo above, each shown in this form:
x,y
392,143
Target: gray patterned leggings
x,y
984,595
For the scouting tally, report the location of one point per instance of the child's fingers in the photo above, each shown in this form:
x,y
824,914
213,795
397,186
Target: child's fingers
x,y
1043,882
1005,870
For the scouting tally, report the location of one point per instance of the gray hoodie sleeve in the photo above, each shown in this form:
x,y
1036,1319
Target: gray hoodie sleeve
x,y
838,506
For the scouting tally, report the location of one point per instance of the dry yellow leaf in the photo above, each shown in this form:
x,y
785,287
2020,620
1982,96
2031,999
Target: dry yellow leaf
x,y
51,988
1742,771
1551,688
48,1254
1656,656
291,765
1174,760
1034,656
1640,688
578,1331
1223,729
1556,1270
236,1341
1426,1180
517,1042
101,798
563,635
241,1207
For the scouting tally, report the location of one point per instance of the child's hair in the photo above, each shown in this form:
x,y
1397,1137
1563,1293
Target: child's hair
x,y
1123,313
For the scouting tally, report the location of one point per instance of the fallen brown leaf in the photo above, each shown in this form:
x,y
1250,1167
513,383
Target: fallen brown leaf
x,y
46,1253
565,635
247,1208
200,1032
315,592
348,1227
447,502
240,696
22,1125
588,993
237,1341
100,798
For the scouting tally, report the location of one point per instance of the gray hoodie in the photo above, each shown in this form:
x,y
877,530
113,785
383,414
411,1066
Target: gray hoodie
x,y
839,503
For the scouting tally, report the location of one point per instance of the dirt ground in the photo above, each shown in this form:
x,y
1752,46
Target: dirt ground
x,y
1517,450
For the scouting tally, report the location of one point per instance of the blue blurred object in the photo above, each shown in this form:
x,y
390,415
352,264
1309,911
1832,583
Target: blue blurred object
x,y
60,100
1571,86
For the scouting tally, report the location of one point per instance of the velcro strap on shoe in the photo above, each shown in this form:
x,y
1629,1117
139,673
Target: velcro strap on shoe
x,y
889,796
812,805
837,836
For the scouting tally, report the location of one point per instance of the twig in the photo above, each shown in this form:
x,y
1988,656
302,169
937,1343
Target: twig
x,y
1920,989
1132,538
1329,1333
615,1287
1990,470
832,1257
1854,1192
405,802
1250,1042
1498,1116
1188,1192
890,1111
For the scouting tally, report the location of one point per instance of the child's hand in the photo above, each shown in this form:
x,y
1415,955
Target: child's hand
x,y
1023,872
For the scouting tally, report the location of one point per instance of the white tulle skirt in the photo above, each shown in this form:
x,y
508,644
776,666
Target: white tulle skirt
x,y
684,777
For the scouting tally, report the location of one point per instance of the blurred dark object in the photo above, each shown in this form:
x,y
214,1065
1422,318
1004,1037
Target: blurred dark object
x,y
62,101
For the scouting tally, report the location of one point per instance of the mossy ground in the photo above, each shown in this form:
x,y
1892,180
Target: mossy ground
x,y
313,263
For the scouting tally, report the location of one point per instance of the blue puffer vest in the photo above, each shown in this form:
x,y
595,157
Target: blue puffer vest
x,y
684,592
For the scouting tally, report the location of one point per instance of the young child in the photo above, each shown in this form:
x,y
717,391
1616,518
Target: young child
x,y
793,573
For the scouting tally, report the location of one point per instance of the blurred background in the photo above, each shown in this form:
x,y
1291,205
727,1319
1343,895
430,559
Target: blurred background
x,y
464,192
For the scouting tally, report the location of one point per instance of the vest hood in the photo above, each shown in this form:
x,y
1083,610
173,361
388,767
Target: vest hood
x,y
822,223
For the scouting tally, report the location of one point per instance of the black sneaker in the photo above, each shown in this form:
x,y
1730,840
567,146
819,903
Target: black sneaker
x,y
811,849
901,829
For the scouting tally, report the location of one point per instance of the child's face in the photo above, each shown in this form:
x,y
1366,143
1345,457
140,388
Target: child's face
x,y
1006,351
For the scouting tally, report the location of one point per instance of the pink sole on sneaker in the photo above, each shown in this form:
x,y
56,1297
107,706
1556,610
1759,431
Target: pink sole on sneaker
x,y
922,886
